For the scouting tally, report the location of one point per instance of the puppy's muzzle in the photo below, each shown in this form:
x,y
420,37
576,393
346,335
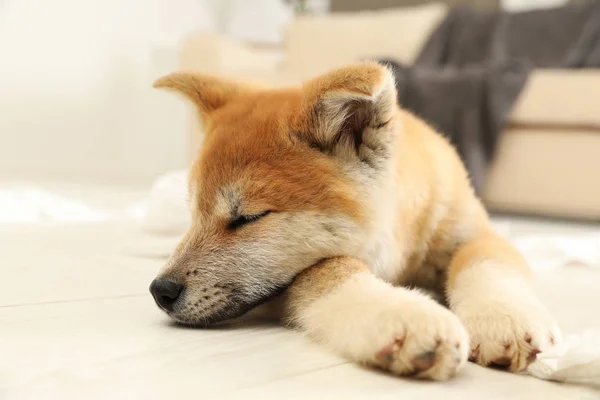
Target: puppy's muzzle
x,y
165,293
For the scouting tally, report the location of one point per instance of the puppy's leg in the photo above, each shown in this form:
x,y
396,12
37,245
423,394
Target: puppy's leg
x,y
341,304
489,289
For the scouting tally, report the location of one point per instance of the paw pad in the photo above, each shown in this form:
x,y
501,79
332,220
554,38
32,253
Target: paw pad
x,y
424,361
474,355
501,363
386,355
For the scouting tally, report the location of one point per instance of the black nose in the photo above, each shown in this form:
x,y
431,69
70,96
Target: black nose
x,y
165,293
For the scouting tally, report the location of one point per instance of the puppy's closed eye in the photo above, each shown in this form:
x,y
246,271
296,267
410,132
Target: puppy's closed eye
x,y
246,219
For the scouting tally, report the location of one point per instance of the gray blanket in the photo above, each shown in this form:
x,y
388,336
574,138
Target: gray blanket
x,y
474,65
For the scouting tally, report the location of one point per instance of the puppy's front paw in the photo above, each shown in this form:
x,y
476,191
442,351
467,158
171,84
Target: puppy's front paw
x,y
422,339
508,333
371,322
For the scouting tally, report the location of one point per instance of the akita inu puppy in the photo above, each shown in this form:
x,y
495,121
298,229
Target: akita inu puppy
x,y
334,197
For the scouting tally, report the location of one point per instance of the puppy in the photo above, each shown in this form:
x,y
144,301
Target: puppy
x,y
334,196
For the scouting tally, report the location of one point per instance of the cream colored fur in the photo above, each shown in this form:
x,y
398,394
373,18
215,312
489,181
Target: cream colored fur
x,y
370,321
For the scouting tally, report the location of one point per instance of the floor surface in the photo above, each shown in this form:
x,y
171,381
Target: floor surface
x,y
77,322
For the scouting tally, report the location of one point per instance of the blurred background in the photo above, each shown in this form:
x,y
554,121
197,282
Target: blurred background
x,y
513,83
93,161
77,108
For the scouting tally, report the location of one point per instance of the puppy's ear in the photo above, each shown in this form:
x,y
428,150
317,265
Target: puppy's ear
x,y
208,93
348,110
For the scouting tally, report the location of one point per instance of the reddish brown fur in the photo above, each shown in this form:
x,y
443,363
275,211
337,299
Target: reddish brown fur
x,y
246,141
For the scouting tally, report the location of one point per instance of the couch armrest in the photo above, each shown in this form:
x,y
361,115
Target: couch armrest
x,y
217,54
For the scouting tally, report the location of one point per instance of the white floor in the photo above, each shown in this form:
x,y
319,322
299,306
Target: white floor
x,y
77,322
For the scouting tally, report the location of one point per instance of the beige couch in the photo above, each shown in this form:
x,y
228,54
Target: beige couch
x,y
548,159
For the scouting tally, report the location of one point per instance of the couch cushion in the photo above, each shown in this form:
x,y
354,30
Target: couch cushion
x,y
559,97
316,43
551,172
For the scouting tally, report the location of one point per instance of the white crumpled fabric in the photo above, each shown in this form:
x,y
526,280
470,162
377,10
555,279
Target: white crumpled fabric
x,y
575,360
544,251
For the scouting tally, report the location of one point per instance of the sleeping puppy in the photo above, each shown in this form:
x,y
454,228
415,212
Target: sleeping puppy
x,y
332,195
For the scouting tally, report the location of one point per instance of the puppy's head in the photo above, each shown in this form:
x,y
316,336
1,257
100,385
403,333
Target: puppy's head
x,y
281,182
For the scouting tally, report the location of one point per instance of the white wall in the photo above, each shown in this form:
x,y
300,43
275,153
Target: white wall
x,y
260,21
241,17
75,95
